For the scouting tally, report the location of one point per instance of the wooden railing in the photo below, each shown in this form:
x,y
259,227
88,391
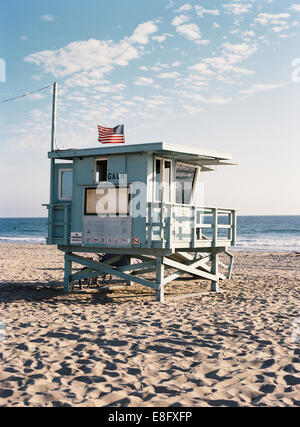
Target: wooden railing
x,y
173,223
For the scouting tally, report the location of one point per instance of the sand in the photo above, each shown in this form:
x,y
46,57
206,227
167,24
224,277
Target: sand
x,y
118,347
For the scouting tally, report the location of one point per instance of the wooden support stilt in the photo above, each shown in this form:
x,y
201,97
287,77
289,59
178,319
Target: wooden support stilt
x,y
99,268
230,264
159,293
214,270
204,266
68,274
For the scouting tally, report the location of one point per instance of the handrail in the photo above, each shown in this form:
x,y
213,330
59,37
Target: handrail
x,y
165,225
191,205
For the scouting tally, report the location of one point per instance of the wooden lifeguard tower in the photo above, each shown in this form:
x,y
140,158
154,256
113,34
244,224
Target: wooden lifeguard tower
x,y
138,202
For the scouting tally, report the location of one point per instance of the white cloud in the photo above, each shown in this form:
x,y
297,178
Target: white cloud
x,y
201,11
143,81
185,7
139,98
191,109
237,8
238,52
191,32
198,97
47,18
176,64
162,37
195,80
248,33
295,7
261,88
202,68
142,32
86,79
222,65
180,19
171,75
219,100
112,88
92,54
281,28
272,18
84,55
23,38
170,4
155,103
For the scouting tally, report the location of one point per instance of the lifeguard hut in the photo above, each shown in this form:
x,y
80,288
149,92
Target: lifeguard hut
x,y
138,202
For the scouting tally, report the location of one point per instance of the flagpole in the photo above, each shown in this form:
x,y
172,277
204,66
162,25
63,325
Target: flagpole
x,y
53,137
53,132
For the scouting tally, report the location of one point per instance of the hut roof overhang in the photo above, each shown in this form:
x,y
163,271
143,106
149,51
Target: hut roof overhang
x,y
178,152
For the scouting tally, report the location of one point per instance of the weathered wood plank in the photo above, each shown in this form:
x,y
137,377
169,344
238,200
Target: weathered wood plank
x,y
103,268
190,269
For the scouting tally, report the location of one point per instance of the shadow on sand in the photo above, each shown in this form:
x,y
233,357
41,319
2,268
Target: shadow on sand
x,y
53,293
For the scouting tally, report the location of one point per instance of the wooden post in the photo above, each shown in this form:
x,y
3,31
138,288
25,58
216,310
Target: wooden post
x,y
68,273
194,237
229,216
215,227
170,225
161,225
66,218
159,293
233,241
128,282
214,270
149,222
214,255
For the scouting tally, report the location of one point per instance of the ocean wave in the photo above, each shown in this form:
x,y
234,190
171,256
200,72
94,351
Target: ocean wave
x,y
33,240
272,231
269,244
28,230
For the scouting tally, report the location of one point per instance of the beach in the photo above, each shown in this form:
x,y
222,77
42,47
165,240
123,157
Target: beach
x,y
116,346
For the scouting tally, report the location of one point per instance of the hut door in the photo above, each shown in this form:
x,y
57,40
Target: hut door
x,y
60,208
162,180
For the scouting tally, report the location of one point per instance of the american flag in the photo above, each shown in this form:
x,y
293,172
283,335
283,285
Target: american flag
x,y
111,135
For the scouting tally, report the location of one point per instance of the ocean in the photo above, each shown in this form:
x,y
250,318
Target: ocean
x,y
263,233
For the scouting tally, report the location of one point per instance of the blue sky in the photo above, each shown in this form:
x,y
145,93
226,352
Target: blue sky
x,y
223,75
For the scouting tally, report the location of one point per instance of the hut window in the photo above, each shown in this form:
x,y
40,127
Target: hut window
x,y
65,184
101,170
107,201
185,177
